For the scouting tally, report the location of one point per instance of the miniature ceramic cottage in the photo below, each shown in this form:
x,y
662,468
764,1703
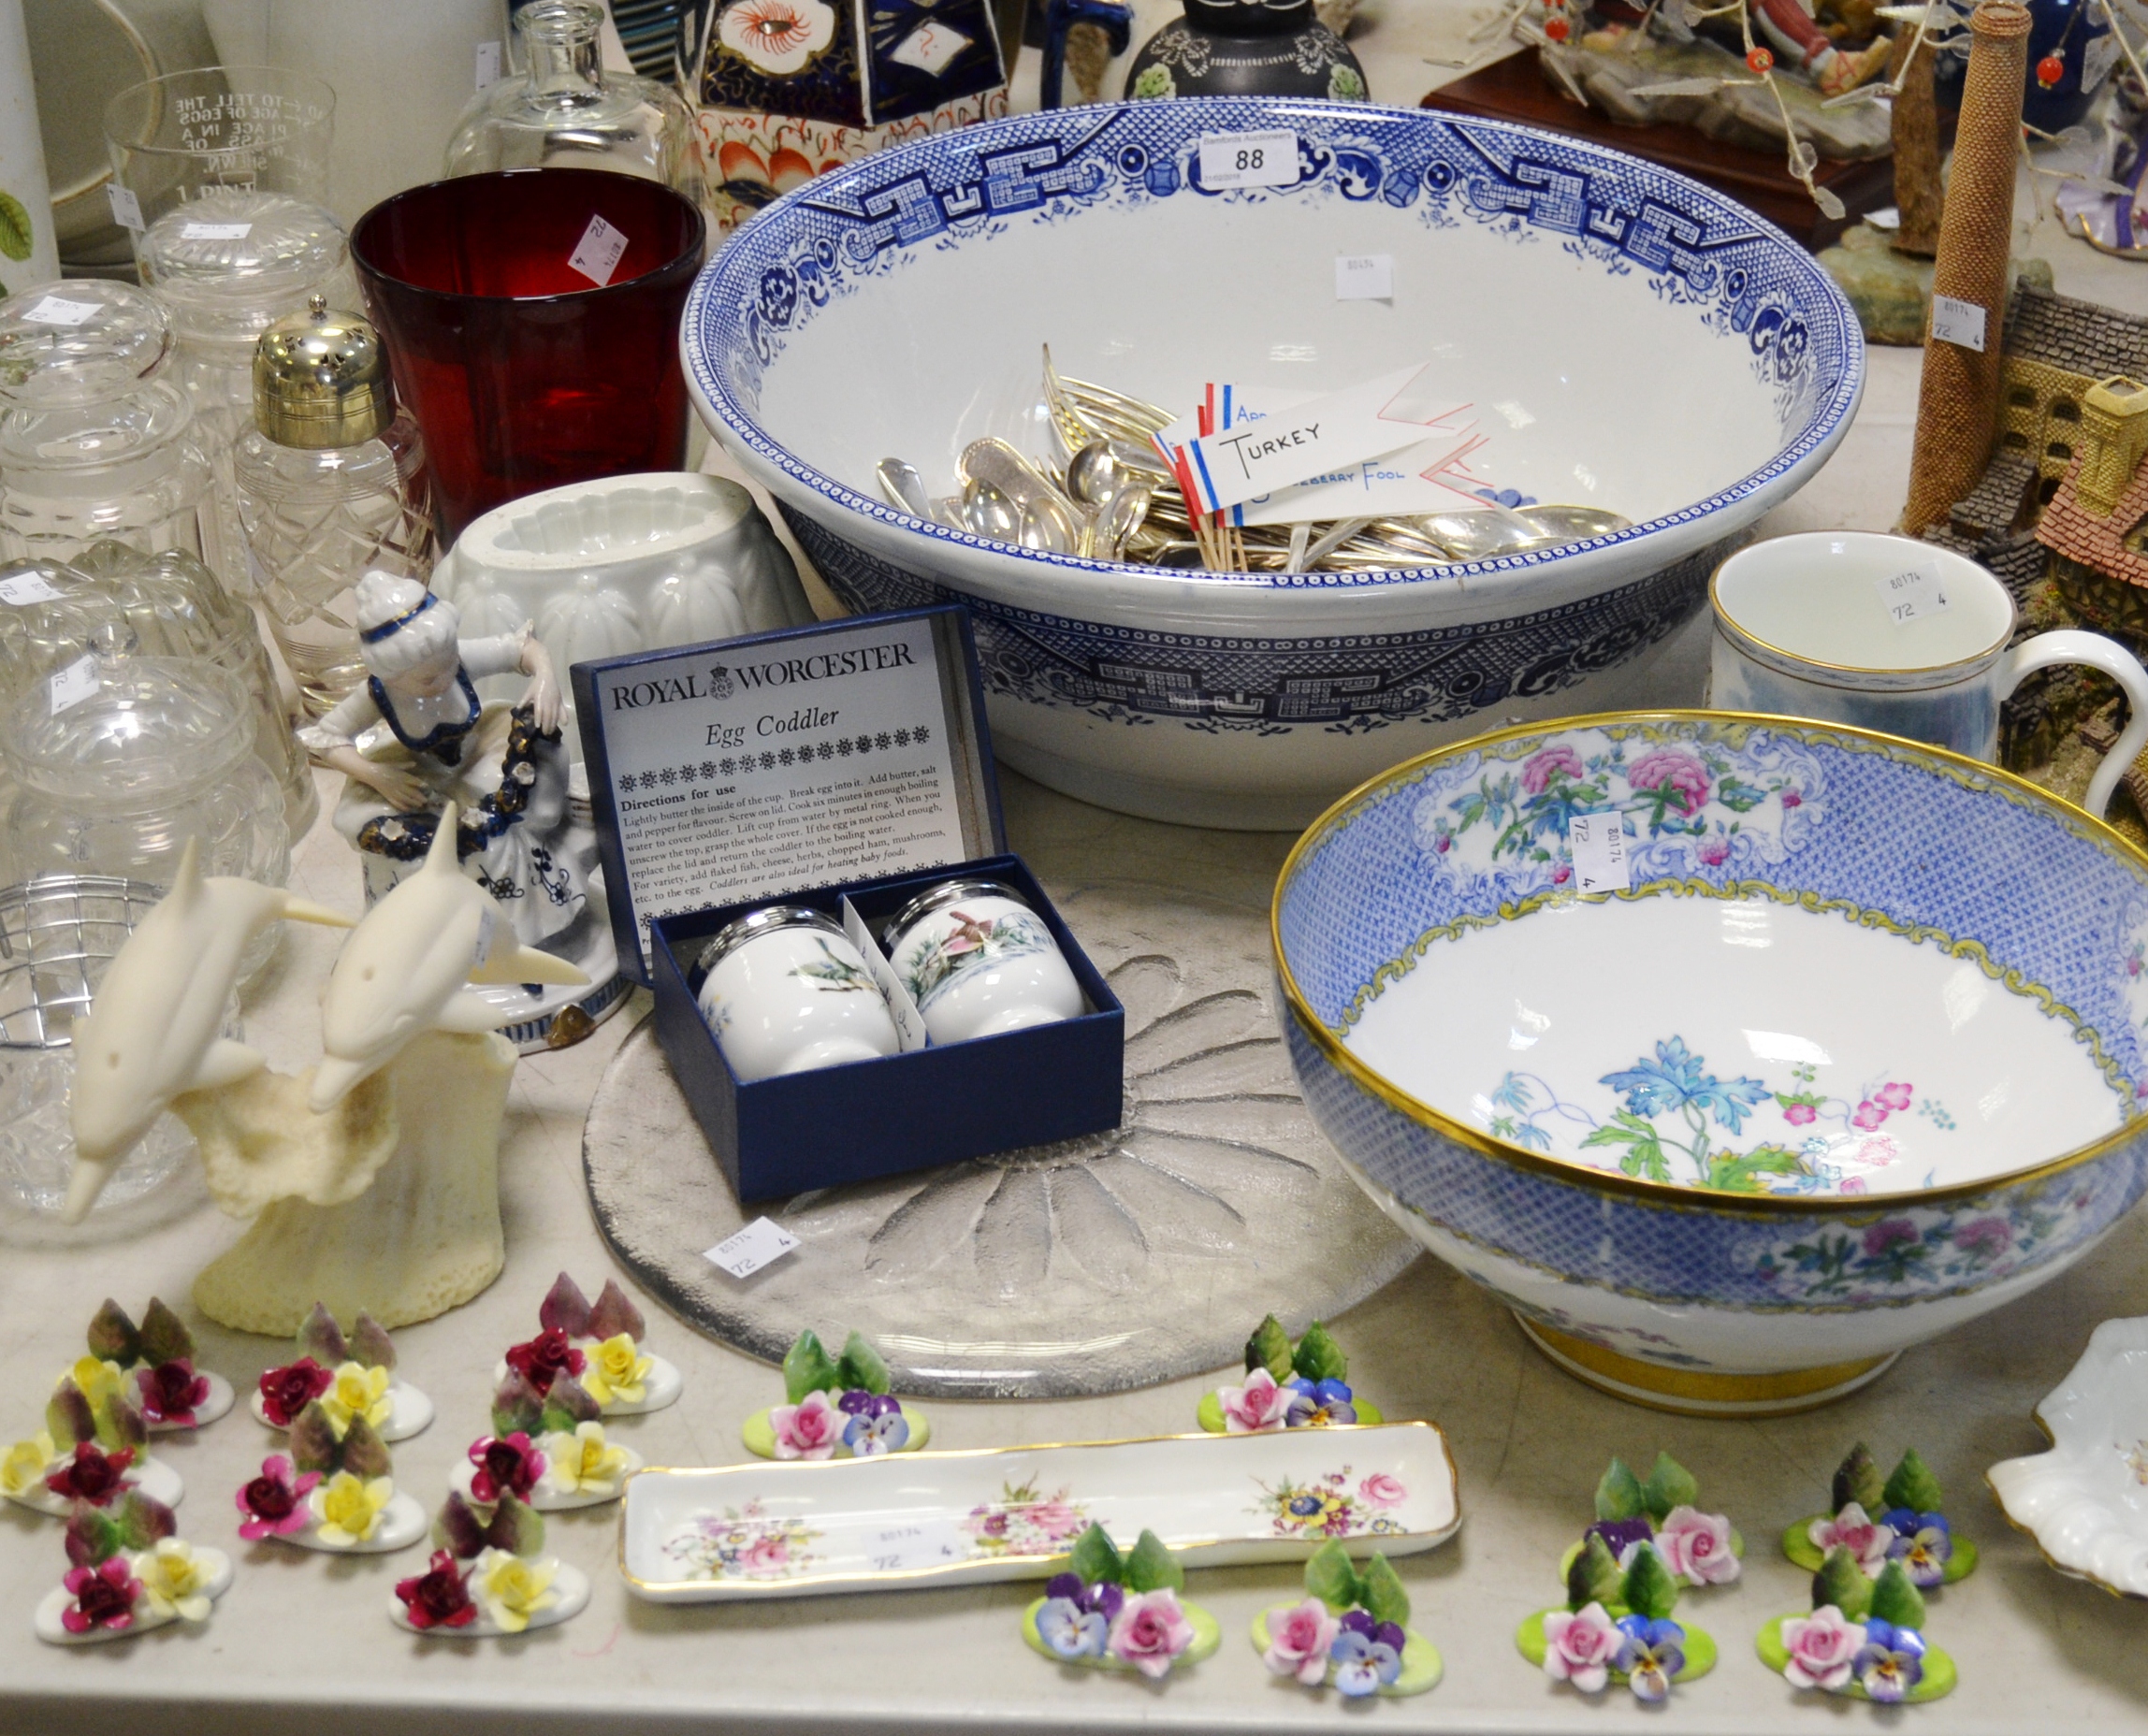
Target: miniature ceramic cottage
x,y
2096,525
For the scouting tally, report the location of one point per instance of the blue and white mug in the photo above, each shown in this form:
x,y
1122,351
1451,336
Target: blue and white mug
x,y
1886,633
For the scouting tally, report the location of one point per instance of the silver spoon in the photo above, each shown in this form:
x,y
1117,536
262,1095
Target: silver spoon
x,y
903,488
987,511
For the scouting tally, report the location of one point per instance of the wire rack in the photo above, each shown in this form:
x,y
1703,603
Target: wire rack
x,y
57,935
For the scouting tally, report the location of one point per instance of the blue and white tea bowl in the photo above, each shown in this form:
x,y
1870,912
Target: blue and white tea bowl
x,y
1858,1055
1629,339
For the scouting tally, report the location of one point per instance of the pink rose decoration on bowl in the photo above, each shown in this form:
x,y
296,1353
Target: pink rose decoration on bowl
x,y
1579,1645
811,1429
1258,1407
1056,1519
1822,1648
1863,1537
1297,1642
1683,778
1539,768
1382,1490
1149,1631
766,1557
1697,1545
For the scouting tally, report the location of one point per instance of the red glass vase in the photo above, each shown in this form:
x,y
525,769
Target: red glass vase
x,y
523,373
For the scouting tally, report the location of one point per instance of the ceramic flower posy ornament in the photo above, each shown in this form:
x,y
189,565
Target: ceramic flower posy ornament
x,y
1351,1631
598,1346
550,1451
489,1576
1898,1520
834,1407
334,1490
1662,1512
128,1571
353,1377
1300,1385
1120,1612
94,1447
153,1363
1865,1638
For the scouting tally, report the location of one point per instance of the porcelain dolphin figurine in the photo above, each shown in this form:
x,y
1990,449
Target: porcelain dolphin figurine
x,y
402,971
155,1028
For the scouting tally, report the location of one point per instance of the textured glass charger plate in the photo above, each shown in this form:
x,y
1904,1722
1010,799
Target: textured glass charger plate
x,y
1100,1264
809,1527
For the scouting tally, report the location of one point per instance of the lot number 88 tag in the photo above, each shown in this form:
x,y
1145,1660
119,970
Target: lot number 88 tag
x,y
1249,160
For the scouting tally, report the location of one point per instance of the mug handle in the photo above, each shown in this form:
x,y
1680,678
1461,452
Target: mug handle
x,y
2113,660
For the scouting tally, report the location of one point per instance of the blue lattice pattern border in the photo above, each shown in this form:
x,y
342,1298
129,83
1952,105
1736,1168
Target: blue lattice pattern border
x,y
1743,279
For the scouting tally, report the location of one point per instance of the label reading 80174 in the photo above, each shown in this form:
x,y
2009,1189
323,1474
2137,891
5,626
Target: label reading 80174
x,y
1249,160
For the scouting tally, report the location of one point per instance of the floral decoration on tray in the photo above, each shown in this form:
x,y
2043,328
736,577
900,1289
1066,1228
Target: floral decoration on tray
x,y
1902,1519
1350,1633
94,1447
834,1407
489,1575
335,1489
353,1377
1663,1512
1865,1638
157,1360
598,1345
128,1571
1301,1385
1120,1612
1616,1625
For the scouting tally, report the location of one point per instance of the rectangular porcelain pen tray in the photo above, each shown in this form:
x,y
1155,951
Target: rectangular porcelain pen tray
x,y
802,1529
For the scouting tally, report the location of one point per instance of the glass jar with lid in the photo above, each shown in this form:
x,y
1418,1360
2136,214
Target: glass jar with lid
x,y
95,446
230,264
118,761
567,111
332,485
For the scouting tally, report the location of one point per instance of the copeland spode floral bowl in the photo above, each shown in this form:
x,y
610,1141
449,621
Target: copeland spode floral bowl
x,y
2085,1501
898,307
1856,1056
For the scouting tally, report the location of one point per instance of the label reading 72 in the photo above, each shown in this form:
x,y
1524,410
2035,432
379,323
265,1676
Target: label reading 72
x,y
1249,160
1912,592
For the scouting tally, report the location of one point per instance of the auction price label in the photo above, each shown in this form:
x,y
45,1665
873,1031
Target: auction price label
x,y
126,208
597,254
25,589
58,310
1958,322
215,231
1600,863
905,1548
1364,277
744,1253
1249,160
74,684
1912,592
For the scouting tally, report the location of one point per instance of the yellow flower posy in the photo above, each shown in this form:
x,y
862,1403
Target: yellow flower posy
x,y
512,1589
348,1508
101,1381
24,1469
357,1391
617,1372
582,1463
174,1580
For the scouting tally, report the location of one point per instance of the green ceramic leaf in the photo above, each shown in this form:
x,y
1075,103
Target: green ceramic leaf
x,y
1857,1479
565,1309
614,1312
313,1439
1150,1567
1318,1357
1670,1485
1842,1582
1593,1576
15,236
516,1528
142,1520
456,1529
861,1367
91,1536
1268,1348
68,1415
1207,1637
119,1425
1912,1486
1618,1492
163,1335
1209,1413
518,1407
1332,1577
806,1369
1095,1557
1382,1593
1963,1562
322,1339
568,1402
1650,1588
1939,1672
370,1345
1896,1597
361,1451
112,1336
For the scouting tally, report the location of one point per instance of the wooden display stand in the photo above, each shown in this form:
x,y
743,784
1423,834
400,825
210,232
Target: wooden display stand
x,y
1515,89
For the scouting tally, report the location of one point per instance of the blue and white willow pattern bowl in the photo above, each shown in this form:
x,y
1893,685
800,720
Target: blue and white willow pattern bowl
x,y
1857,1057
1629,339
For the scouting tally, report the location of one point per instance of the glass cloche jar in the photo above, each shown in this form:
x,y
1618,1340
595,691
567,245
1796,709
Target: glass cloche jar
x,y
566,111
332,485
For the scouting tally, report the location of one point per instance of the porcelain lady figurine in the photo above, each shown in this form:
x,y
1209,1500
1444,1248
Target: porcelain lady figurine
x,y
505,769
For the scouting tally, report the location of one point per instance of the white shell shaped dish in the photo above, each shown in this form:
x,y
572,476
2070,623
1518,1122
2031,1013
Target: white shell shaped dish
x,y
545,1497
898,1520
661,1389
570,1585
618,565
213,1409
411,1412
152,1476
2085,1501
47,1627
401,1523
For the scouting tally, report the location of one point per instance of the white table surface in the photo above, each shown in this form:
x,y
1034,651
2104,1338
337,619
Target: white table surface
x,y
302,1642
